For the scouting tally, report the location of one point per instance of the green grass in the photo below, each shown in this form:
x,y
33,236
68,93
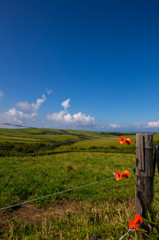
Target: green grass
x,y
99,145
27,178
103,209
30,177
53,133
31,142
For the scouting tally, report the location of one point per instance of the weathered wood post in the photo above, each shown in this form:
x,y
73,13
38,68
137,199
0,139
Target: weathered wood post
x,y
144,173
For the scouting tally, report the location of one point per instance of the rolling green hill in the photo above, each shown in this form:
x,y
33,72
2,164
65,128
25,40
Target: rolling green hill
x,y
22,142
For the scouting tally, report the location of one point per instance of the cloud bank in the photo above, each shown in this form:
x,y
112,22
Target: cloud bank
x,y
153,124
65,119
28,112
16,117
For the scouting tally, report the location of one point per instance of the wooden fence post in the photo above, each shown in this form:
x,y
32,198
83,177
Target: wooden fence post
x,y
144,173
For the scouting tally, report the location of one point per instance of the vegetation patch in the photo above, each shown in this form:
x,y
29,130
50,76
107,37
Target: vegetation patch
x,y
31,168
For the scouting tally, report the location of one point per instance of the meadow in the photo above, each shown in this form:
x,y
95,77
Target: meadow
x,y
39,162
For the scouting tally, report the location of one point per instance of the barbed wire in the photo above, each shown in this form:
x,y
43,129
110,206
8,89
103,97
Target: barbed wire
x,y
64,191
16,125
53,194
130,229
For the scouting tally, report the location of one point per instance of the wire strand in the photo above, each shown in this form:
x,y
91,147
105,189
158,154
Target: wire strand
x,y
16,125
130,229
50,195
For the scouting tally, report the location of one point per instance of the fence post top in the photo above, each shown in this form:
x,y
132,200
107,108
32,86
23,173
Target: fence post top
x,y
144,140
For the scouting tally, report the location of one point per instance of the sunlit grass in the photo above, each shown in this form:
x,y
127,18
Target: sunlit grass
x,y
103,209
31,177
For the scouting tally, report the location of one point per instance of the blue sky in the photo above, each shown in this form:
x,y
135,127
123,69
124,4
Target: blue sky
x,y
80,64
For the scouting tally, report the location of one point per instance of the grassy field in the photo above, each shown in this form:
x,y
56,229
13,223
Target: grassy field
x,y
39,162
33,142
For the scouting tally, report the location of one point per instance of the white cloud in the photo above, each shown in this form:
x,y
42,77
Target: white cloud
x,y
65,119
56,116
146,125
1,94
16,117
65,104
25,106
33,106
114,125
49,91
153,124
28,114
75,120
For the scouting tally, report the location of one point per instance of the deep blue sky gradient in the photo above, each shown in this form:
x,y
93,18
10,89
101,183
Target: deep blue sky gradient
x,y
103,55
